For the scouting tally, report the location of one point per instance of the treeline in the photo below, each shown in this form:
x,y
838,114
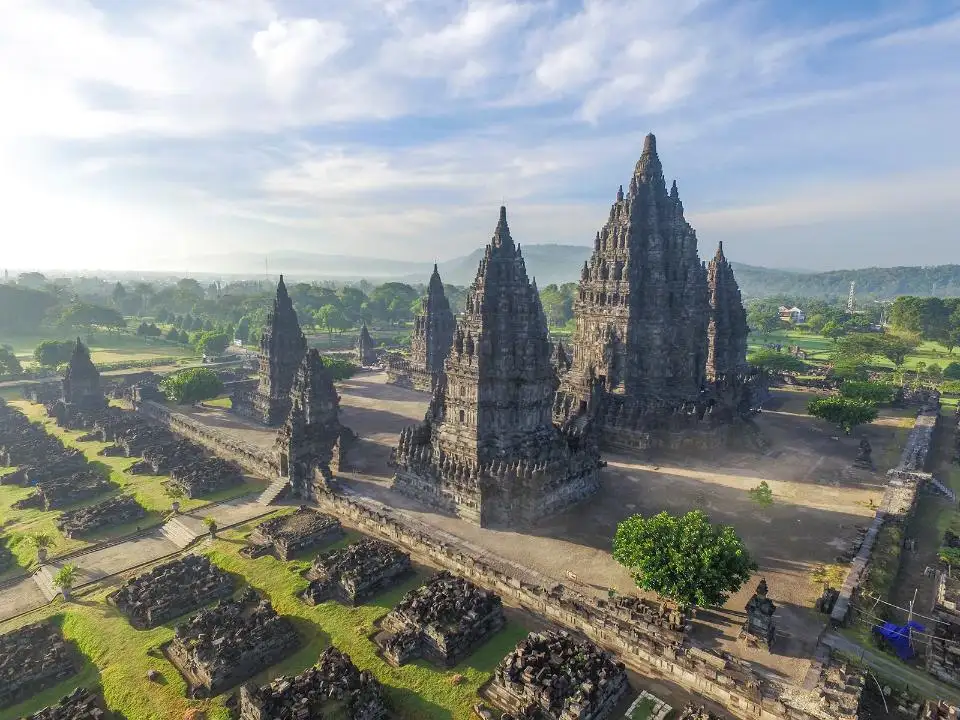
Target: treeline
x,y
931,318
830,319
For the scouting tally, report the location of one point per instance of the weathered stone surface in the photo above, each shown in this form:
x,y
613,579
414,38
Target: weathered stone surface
x,y
660,343
54,493
32,658
759,628
116,511
356,573
442,621
81,704
282,347
312,443
430,344
367,354
289,534
208,475
563,677
333,688
7,560
488,450
81,382
225,645
171,590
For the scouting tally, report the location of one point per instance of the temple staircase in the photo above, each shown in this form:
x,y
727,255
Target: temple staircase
x,y
178,532
44,580
939,487
273,491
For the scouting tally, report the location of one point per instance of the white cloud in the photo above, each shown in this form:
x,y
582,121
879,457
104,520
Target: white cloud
x,y
290,50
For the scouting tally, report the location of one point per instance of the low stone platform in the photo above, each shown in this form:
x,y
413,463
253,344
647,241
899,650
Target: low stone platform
x,y
289,534
442,621
356,573
32,659
563,677
223,646
333,688
81,704
59,492
171,590
116,511
206,476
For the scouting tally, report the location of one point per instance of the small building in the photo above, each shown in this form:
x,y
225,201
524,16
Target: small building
x,y
792,315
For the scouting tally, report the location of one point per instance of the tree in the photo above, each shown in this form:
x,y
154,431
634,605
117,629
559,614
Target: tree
x,y
192,385
873,392
65,579
9,363
776,361
952,371
243,330
173,335
683,558
119,295
52,353
761,494
846,413
764,317
85,316
332,318
42,542
212,344
833,330
895,348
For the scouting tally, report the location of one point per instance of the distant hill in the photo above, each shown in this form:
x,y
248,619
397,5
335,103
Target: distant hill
x,y
561,263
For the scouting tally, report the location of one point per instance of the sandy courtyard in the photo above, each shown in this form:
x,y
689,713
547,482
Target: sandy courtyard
x,y
818,502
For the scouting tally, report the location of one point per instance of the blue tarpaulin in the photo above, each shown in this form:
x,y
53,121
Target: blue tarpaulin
x,y
899,636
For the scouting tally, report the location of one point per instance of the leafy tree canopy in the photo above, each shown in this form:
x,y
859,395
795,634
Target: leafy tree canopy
x,y
776,361
683,558
212,343
87,315
52,353
844,412
875,392
952,371
191,385
9,364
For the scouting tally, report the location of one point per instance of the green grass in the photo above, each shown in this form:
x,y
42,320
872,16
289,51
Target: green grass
x,y
117,657
220,402
642,710
104,347
147,489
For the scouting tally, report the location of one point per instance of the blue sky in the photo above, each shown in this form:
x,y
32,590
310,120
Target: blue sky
x,y
140,135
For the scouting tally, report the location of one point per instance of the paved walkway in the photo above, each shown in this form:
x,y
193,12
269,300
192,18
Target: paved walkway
x,y
36,590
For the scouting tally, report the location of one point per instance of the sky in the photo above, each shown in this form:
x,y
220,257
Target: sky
x,y
154,135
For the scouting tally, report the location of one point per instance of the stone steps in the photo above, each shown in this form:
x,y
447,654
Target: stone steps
x,y
942,489
273,491
178,533
44,580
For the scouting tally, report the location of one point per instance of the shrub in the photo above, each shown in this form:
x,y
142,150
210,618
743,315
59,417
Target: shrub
x,y
844,412
776,361
952,371
875,392
192,385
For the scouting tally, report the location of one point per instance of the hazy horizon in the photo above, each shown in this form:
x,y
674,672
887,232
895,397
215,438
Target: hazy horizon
x,y
144,136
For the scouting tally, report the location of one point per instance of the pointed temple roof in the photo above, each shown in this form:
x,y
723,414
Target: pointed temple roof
x,y
80,365
501,236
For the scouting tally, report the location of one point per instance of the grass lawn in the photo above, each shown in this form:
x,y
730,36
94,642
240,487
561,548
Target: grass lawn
x,y
220,402
147,489
118,657
104,347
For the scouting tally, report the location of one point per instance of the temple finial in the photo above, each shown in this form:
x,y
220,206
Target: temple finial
x,y
650,144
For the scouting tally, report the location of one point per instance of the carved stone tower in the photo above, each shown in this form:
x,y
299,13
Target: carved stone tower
x,y
433,330
81,382
282,347
488,450
727,329
310,443
366,352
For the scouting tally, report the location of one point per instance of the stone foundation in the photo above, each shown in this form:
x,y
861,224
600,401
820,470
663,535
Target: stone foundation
x,y
116,511
443,622
60,492
565,678
32,659
356,573
289,534
223,646
333,688
81,704
171,590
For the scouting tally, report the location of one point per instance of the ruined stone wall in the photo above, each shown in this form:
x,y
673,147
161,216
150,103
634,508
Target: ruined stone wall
x,y
251,459
644,646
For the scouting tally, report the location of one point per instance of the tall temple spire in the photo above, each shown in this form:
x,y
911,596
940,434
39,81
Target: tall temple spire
x,y
648,166
727,329
436,284
501,236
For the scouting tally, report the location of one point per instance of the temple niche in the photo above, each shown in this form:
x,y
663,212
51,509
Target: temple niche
x,y
659,348
432,337
488,450
282,347
311,444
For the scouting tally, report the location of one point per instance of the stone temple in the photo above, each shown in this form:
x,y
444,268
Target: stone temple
x,y
432,337
81,382
367,355
310,445
282,347
659,350
488,450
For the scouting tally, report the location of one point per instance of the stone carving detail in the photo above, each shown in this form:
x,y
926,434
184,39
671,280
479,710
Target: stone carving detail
x,y
116,511
442,621
367,354
81,704
759,629
333,688
432,337
562,677
356,573
488,450
864,455
282,347
312,443
171,590
32,658
660,340
223,646
289,534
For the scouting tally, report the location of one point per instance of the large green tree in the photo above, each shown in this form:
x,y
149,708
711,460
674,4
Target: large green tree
x,y
685,558
9,364
776,361
844,412
191,385
51,353
212,343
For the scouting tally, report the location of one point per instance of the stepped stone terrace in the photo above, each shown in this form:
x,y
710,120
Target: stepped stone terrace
x,y
171,590
356,573
443,621
287,535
